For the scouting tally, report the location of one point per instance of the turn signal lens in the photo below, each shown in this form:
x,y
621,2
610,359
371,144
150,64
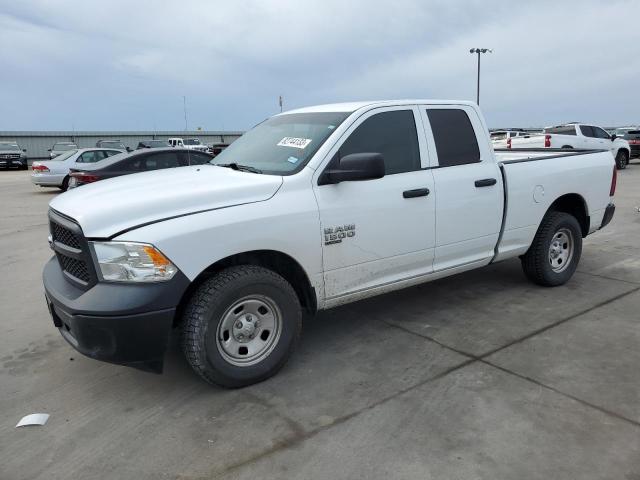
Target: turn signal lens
x,y
132,262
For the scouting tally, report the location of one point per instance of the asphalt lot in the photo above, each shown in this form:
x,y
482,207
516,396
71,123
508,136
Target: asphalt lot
x,y
478,376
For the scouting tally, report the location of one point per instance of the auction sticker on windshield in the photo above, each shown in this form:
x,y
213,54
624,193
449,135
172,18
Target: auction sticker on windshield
x,y
294,142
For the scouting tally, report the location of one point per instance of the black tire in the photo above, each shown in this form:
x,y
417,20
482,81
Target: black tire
x,y
536,263
210,304
65,184
622,160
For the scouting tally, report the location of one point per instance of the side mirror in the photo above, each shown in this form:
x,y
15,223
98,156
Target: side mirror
x,y
49,150
352,168
613,137
24,150
128,149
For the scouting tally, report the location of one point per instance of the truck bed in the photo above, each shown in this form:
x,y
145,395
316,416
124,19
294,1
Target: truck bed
x,y
531,185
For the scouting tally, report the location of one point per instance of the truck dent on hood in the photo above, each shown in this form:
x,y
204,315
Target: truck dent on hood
x,y
108,207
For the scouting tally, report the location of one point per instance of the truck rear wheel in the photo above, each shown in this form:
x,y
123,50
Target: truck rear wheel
x,y
241,325
555,252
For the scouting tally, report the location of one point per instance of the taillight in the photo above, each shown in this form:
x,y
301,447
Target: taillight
x,y
509,142
614,180
634,142
84,177
547,141
40,168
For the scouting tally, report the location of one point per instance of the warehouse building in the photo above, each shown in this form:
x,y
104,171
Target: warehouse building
x,y
38,144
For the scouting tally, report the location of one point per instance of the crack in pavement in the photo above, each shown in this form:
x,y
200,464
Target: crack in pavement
x,y
471,358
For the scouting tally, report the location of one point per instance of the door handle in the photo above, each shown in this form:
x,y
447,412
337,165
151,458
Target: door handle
x,y
486,182
418,192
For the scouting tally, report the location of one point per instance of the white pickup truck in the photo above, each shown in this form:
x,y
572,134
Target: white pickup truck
x,y
577,135
311,209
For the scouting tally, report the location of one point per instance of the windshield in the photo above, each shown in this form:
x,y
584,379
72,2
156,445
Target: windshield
x,y
9,147
282,144
192,141
158,143
64,156
111,144
61,147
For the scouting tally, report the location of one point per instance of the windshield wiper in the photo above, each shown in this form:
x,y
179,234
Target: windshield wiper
x,y
236,166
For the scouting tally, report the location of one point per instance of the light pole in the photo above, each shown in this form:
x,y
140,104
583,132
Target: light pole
x,y
479,51
184,106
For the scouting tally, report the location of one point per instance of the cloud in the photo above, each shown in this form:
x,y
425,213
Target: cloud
x,y
126,65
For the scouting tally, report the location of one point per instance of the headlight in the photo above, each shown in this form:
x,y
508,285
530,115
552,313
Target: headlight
x,y
132,262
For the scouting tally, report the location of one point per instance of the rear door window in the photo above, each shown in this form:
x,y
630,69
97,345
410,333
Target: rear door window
x,y
455,138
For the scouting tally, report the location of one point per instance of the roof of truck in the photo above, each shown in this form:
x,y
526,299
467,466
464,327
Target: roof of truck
x,y
353,106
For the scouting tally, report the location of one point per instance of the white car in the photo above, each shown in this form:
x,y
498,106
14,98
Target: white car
x,y
195,144
175,142
311,209
577,136
55,172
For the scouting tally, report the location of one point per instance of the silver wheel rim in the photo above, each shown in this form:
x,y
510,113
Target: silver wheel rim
x,y
249,330
561,250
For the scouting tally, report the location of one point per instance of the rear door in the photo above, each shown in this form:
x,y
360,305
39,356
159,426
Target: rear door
x,y
468,183
378,232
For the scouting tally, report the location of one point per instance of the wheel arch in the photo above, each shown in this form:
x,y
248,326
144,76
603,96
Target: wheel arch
x,y
279,262
573,204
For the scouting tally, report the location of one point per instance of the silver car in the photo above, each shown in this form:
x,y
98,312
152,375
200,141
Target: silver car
x,y
55,172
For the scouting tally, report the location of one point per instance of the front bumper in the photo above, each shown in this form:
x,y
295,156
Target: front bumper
x,y
608,215
117,323
13,162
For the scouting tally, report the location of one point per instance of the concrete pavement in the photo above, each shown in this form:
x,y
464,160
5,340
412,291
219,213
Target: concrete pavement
x,y
482,375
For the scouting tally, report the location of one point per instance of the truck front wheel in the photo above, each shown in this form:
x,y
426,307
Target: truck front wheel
x,y
555,252
241,325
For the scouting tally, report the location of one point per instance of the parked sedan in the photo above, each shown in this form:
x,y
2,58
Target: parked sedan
x,y
55,172
135,162
60,147
12,156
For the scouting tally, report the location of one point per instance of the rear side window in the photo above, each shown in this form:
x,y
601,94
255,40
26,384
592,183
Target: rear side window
x,y
393,134
456,141
566,130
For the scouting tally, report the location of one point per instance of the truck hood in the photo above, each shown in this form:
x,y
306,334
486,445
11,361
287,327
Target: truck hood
x,y
108,207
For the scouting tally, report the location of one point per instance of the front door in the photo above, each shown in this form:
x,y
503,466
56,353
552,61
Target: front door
x,y
378,232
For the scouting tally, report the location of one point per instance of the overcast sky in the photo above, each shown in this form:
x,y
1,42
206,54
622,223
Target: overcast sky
x,y
125,65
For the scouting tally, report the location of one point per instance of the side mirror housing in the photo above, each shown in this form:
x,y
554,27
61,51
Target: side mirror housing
x,y
24,150
128,149
48,150
353,168
613,137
